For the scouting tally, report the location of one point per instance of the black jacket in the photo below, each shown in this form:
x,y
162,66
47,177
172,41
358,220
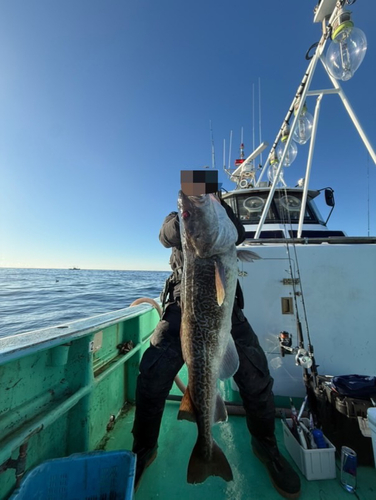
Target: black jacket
x,y
169,236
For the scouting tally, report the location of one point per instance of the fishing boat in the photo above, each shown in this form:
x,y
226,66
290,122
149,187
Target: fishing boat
x,y
68,390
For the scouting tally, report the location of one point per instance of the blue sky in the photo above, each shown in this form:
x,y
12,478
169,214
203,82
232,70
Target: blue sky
x,y
103,102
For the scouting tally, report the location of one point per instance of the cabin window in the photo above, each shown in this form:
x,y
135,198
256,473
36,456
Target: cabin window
x,y
266,234
232,203
318,234
289,207
316,211
250,207
284,208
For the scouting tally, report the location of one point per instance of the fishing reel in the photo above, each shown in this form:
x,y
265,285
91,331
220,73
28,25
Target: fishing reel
x,y
302,357
285,343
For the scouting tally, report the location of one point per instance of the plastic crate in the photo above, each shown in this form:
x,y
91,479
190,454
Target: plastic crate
x,y
314,464
96,475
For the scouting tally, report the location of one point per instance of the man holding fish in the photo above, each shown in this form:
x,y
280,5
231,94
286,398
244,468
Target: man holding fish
x,y
203,325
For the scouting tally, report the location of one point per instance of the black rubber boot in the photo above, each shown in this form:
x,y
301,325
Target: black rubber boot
x,y
145,443
145,456
285,480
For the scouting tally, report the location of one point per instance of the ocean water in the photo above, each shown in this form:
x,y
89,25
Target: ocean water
x,y
31,299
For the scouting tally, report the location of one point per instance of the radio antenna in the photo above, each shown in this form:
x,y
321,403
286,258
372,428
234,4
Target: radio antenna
x,y
224,154
212,145
229,151
253,116
259,85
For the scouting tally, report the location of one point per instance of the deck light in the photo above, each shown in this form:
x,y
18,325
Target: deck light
x,y
303,129
292,150
347,49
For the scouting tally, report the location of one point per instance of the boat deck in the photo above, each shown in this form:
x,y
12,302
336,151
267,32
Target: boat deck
x,y
166,476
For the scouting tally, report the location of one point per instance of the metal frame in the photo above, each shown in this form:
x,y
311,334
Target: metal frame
x,y
300,96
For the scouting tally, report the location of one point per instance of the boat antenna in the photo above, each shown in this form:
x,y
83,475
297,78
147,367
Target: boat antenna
x,y
259,85
224,154
212,145
253,117
229,151
241,154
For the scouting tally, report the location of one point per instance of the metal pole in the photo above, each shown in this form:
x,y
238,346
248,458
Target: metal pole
x,y
323,91
305,87
309,165
352,114
251,157
301,93
263,171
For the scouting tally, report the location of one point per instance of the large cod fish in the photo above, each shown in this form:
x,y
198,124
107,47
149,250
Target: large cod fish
x,y
209,279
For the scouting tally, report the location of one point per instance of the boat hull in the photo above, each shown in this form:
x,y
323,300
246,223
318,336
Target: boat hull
x,y
334,289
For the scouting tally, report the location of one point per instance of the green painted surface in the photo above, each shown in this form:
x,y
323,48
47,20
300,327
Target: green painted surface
x,y
166,476
60,401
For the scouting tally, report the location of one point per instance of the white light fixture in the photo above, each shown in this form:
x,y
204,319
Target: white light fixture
x,y
292,150
273,167
347,49
303,128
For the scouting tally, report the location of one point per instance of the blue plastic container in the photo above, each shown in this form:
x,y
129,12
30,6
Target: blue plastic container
x,y
96,475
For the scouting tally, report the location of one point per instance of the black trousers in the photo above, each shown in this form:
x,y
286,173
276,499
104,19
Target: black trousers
x,y
163,359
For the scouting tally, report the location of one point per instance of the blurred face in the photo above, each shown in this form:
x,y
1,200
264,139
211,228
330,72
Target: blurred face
x,y
198,182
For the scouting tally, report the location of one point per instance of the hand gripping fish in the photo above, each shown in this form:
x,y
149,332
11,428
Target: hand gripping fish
x,y
208,290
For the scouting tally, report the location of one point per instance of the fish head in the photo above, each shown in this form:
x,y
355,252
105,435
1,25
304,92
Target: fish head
x,y
205,227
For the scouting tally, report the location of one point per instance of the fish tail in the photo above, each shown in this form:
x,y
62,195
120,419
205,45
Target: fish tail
x,y
200,467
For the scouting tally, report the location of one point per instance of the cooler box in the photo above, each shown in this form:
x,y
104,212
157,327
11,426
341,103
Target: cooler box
x,y
371,413
314,464
96,475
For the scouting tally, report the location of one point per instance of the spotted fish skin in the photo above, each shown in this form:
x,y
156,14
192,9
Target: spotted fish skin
x,y
207,295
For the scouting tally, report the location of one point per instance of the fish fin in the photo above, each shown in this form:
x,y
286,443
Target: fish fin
x,y
247,255
220,412
187,409
220,281
230,361
199,468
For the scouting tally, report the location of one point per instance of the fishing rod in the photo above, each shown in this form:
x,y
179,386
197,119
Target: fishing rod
x,y
303,357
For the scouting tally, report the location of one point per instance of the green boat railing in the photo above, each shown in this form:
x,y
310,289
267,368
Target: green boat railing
x,y
61,387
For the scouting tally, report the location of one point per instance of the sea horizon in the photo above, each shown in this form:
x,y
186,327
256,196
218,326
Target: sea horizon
x,y
35,298
86,269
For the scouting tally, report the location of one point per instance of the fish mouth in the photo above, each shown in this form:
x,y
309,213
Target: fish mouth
x,y
187,203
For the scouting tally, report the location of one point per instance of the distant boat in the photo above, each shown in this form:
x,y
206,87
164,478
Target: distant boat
x,y
74,269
